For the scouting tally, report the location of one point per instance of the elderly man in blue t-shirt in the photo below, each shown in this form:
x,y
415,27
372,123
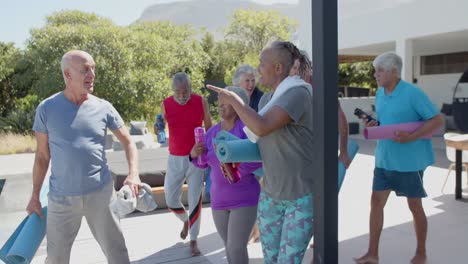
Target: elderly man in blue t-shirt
x,y
71,128
400,162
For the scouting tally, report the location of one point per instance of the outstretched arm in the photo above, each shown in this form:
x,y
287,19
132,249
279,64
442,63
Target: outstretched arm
x,y
263,125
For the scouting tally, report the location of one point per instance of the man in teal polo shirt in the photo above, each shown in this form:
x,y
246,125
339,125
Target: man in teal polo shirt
x,y
401,161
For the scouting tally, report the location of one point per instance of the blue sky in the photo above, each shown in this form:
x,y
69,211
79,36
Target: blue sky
x,y
17,17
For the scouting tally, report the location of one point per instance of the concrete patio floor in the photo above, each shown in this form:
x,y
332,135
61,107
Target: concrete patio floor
x,y
153,237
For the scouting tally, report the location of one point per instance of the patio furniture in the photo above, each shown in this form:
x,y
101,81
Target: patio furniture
x,y
140,135
353,128
451,157
460,105
459,143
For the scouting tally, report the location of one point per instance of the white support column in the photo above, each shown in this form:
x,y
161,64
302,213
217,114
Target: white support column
x,y
404,48
305,26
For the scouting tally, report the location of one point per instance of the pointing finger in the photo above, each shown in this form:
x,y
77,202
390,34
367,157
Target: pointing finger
x,y
213,88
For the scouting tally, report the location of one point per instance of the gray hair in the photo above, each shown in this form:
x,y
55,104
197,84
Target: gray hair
x,y
240,92
389,61
181,78
241,70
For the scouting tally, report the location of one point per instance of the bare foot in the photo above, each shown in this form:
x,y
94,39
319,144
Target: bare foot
x,y
194,248
419,259
184,232
367,259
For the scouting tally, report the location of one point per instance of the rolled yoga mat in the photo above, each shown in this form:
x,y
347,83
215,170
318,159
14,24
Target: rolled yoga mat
x,y
23,243
352,150
223,135
388,132
230,148
240,150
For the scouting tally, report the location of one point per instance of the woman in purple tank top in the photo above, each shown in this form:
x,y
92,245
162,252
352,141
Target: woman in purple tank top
x,y
234,205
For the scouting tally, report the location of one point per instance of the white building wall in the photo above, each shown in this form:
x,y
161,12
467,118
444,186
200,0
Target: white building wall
x,y
439,87
305,25
367,22
404,47
348,105
416,18
402,26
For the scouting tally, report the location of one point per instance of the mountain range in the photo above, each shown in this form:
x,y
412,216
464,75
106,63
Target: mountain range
x,y
213,15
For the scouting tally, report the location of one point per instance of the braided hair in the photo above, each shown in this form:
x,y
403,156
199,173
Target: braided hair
x,y
291,56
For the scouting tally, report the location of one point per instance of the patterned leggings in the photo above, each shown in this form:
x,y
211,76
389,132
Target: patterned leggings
x,y
286,228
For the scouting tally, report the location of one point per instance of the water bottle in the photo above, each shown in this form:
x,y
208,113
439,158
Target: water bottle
x,y
160,125
200,137
231,173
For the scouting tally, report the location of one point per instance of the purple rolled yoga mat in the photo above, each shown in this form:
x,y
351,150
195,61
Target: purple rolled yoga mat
x,y
388,132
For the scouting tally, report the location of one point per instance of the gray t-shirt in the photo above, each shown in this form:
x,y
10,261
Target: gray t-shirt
x,y
287,153
77,136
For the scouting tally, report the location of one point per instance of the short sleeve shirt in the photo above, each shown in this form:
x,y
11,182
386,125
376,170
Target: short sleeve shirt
x,y
288,153
77,137
406,103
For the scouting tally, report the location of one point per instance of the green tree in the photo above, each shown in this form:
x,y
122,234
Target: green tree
x,y
134,64
223,56
250,58
8,57
358,74
254,29
12,64
249,32
72,17
160,50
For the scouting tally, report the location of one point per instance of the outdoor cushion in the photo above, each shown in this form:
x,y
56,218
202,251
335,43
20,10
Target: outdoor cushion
x,y
137,127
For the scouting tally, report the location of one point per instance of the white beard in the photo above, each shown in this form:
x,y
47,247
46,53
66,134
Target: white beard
x,y
182,102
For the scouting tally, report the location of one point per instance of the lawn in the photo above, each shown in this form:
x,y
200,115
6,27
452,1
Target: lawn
x,y
16,143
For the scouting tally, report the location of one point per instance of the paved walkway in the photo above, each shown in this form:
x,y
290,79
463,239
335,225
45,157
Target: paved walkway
x,y
153,237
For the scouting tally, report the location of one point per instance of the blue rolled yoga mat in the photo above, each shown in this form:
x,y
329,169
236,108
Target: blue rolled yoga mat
x,y
23,243
352,150
223,135
230,148
240,150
